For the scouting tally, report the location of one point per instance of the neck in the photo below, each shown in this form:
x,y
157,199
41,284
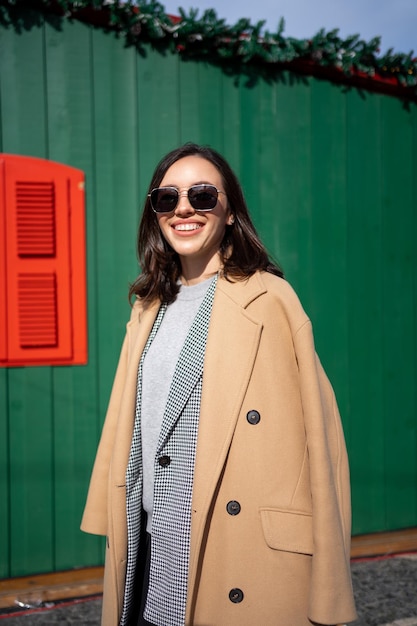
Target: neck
x,y
192,273
194,280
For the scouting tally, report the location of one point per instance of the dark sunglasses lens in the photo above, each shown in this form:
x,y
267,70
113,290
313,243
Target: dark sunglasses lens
x,y
164,200
202,197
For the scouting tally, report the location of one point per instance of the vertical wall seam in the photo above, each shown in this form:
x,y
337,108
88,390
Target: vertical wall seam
x,y
8,477
379,158
51,369
413,112
45,87
92,236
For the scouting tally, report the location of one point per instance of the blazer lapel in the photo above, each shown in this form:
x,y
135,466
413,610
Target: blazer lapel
x,y
189,368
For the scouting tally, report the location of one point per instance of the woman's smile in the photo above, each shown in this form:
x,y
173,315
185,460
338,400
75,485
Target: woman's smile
x,y
187,227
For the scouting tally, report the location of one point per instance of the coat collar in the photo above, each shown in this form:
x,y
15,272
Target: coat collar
x,y
242,292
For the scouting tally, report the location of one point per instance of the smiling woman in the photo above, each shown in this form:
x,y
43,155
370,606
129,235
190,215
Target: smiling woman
x,y
221,479
195,234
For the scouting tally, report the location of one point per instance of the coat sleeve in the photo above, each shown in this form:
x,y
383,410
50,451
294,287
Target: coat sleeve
x,y
331,597
95,513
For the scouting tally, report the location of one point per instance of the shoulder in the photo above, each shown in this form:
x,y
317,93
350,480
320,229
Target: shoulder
x,y
141,307
281,297
135,313
137,308
142,317
278,287
268,298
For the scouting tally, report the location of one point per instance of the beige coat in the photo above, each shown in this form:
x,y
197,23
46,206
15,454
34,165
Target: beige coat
x,y
287,550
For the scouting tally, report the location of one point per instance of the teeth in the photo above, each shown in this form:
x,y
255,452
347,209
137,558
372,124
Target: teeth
x,y
187,226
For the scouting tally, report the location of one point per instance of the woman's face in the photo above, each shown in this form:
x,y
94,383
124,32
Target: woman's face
x,y
195,235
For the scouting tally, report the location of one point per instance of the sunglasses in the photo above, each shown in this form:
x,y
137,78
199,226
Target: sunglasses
x,y
201,198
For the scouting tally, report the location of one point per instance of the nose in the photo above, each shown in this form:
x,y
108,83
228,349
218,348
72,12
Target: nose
x,y
184,207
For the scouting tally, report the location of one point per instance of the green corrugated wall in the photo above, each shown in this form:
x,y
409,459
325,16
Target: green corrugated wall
x,y
330,174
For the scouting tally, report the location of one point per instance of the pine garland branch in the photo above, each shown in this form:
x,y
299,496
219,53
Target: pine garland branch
x,y
243,45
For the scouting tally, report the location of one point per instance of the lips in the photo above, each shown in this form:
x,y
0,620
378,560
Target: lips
x,y
187,226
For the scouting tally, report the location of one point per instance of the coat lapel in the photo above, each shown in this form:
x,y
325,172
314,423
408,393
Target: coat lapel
x,y
232,345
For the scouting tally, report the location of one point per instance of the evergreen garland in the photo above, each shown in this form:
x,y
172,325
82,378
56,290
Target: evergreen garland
x,y
243,46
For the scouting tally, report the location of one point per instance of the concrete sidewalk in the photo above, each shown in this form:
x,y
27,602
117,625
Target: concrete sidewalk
x,y
385,592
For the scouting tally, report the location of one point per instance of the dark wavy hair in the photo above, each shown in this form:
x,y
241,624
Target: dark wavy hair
x,y
241,250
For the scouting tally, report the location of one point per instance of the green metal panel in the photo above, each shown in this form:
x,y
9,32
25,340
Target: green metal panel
x,y
210,112
31,470
114,131
22,82
328,252
232,124
399,317
330,178
158,112
285,176
364,285
189,102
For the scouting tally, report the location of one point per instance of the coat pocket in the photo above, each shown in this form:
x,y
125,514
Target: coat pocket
x,y
290,531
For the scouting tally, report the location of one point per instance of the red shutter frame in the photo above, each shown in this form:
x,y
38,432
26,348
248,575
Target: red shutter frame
x,y
43,316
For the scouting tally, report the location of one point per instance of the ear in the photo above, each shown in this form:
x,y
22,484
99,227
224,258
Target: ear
x,y
230,219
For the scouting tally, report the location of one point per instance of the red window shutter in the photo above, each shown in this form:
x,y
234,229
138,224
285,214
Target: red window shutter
x,y
43,315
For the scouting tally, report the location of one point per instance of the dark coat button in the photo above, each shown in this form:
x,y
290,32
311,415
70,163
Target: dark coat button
x,y
253,417
164,460
236,595
233,507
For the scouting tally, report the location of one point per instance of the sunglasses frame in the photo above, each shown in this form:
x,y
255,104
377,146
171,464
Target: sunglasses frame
x,y
186,192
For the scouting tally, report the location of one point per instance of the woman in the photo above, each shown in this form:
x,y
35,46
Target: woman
x,y
221,479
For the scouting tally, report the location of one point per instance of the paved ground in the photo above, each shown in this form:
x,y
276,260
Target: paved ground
x,y
385,591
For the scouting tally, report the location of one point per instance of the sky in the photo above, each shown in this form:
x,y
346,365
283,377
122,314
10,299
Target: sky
x,y
395,21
